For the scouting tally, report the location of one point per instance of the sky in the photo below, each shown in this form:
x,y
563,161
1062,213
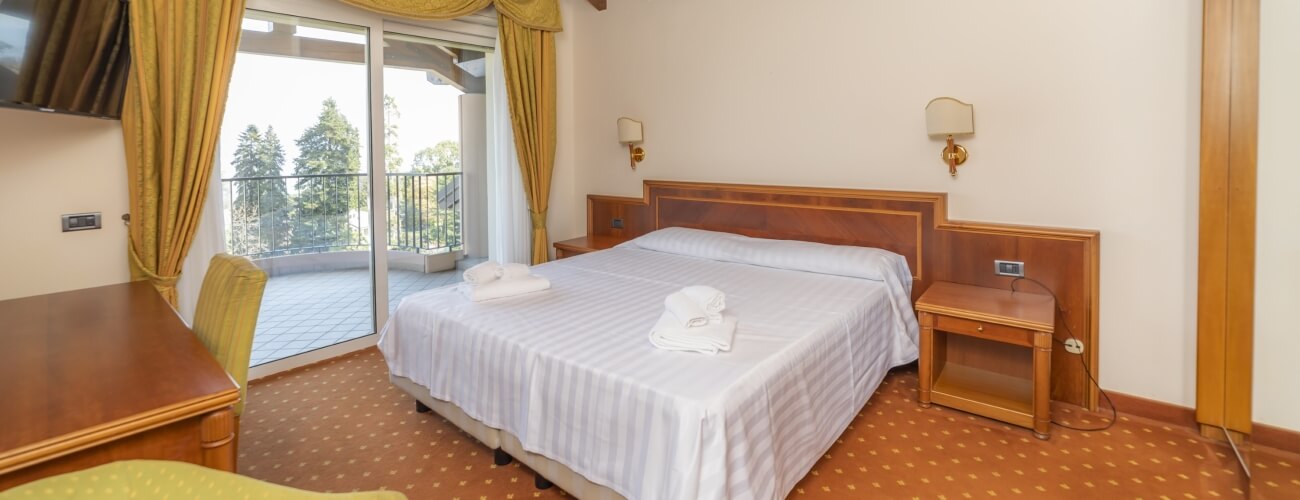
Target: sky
x,y
287,93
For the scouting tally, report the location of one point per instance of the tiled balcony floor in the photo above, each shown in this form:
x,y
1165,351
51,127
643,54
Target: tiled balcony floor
x,y
306,311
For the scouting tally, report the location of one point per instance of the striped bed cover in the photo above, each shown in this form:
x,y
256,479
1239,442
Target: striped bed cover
x,y
571,373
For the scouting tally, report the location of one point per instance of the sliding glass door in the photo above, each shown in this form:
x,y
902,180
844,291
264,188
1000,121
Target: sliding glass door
x,y
343,161
434,143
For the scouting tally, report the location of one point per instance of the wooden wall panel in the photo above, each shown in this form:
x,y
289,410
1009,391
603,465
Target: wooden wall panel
x,y
1226,255
912,224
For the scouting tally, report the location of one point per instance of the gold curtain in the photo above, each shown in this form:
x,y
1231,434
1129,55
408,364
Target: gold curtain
x,y
61,70
527,45
182,54
536,14
528,56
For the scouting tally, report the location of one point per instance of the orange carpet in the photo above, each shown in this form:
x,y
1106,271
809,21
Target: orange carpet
x,y
339,426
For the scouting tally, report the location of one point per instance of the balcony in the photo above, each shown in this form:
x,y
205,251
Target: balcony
x,y
311,234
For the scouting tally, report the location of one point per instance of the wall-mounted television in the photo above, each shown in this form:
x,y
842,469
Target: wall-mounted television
x,y
66,56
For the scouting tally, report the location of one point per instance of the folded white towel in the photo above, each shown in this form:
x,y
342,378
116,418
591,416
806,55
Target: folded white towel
x,y
707,339
514,271
504,288
685,311
483,273
711,299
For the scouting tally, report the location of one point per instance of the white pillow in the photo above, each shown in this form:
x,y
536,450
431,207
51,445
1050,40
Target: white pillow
x,y
841,260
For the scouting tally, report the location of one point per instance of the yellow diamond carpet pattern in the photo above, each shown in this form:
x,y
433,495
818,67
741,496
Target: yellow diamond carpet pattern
x,y
340,426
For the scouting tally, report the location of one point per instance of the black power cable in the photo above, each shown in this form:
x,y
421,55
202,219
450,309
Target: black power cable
x,y
1114,415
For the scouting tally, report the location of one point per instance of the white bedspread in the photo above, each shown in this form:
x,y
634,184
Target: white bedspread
x,y
570,372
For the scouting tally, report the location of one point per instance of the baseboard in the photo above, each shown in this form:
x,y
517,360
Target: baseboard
x,y
1159,411
1260,435
1275,437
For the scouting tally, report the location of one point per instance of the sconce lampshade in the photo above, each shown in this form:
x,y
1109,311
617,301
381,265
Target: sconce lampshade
x,y
630,131
948,116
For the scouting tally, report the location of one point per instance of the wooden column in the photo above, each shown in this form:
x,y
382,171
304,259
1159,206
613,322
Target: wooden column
x,y
217,438
1226,267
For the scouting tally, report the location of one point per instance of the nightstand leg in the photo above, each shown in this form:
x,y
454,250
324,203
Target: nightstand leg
x,y
925,368
1042,384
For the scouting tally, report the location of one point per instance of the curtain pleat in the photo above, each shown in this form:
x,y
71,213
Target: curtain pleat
x,y
528,56
535,14
182,57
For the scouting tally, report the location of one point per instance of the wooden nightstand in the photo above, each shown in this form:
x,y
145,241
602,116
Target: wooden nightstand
x,y
579,246
989,352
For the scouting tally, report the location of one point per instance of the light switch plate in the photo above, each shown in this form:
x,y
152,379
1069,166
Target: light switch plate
x,y
82,222
1009,268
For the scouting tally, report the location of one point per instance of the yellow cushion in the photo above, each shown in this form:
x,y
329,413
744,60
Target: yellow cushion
x,y
226,314
145,479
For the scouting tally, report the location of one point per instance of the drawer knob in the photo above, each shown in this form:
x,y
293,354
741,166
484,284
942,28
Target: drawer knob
x,y
979,328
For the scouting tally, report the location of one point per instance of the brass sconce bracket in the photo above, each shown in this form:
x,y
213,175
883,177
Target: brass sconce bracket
x,y
953,155
636,153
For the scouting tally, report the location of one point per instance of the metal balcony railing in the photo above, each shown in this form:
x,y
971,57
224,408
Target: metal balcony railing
x,y
301,214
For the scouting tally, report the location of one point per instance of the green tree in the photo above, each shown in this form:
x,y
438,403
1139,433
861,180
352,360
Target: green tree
x,y
323,205
442,158
392,157
430,204
260,209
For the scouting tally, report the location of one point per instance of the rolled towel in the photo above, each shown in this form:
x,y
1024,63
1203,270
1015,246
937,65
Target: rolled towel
x,y
685,311
514,271
711,299
483,273
505,288
707,339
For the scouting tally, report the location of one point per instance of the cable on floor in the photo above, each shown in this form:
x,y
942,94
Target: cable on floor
x,y
1114,414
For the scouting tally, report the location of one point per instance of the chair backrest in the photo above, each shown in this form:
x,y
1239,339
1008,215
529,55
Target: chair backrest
x,y
226,315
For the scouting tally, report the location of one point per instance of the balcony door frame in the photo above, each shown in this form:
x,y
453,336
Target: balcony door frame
x,y
462,32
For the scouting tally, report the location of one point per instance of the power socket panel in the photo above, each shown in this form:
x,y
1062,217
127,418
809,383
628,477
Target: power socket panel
x,y
1074,346
1009,268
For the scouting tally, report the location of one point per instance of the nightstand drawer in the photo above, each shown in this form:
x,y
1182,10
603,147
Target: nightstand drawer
x,y
989,331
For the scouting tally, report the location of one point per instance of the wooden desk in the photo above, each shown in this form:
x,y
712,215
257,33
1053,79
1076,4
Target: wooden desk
x,y
987,351
103,374
584,244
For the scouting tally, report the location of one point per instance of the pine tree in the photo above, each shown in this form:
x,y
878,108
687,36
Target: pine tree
x,y
323,204
260,210
275,206
243,238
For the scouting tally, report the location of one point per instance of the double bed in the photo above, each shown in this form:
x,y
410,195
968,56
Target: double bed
x,y
567,381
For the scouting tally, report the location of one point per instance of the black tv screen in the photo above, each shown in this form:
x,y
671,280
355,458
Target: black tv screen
x,y
64,55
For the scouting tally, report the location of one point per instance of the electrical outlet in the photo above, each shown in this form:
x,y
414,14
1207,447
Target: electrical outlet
x,y
617,223
1074,346
81,222
1009,268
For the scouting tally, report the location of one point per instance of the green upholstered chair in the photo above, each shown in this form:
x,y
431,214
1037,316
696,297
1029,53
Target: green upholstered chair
x,y
147,479
226,315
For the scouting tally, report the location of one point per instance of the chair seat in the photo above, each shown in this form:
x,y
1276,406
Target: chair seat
x,y
144,479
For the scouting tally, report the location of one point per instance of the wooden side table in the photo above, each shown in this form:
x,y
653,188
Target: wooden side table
x,y
585,244
988,351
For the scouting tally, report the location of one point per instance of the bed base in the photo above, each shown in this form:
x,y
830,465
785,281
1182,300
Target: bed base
x,y
547,472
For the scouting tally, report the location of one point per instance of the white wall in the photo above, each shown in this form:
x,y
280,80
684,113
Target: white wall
x,y
1087,115
1277,244
52,165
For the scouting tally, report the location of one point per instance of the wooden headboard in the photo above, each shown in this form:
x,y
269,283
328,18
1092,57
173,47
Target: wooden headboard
x,y
911,224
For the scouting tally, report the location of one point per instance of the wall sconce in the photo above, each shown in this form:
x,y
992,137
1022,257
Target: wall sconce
x,y
631,132
948,116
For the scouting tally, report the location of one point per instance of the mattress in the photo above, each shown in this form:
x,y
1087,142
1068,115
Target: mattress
x,y
571,374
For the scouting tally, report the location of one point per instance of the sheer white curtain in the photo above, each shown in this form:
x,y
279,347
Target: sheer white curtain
x,y
208,241
509,227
